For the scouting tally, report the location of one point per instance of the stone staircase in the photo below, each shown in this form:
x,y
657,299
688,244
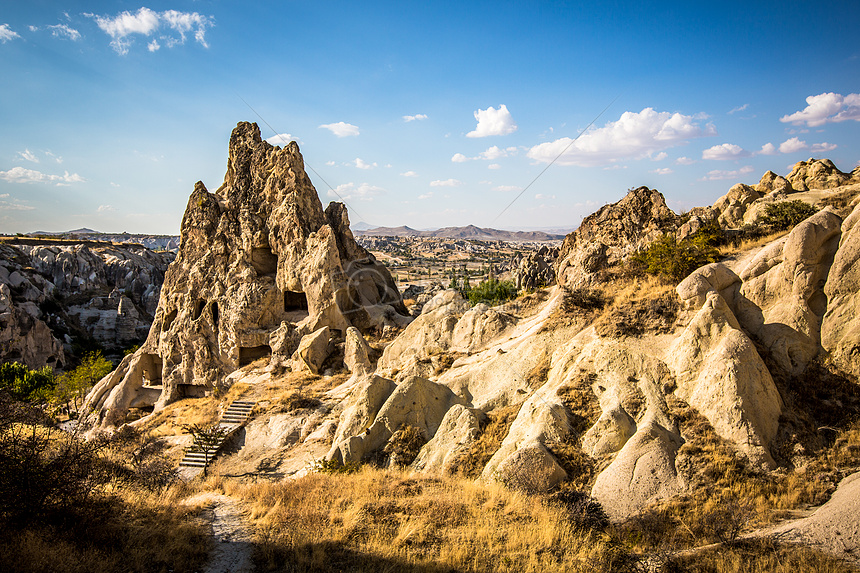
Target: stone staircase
x,y
233,418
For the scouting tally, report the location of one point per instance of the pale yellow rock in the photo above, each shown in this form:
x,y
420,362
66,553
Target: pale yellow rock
x,y
356,353
718,372
359,409
312,351
460,427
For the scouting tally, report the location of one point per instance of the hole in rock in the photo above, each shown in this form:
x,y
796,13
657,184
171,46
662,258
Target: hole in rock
x,y
214,308
197,310
295,300
249,354
152,365
264,261
168,320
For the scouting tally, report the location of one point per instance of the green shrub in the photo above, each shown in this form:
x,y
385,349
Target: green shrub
x,y
33,386
492,292
674,260
785,215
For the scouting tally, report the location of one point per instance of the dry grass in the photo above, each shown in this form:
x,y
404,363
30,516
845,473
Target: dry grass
x,y
481,450
640,305
129,532
394,521
757,555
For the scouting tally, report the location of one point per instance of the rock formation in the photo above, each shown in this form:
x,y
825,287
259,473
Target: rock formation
x,y
817,174
260,266
611,234
536,269
55,292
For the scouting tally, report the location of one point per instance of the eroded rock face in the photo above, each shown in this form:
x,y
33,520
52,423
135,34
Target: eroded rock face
x,y
535,270
260,265
49,291
772,183
817,174
612,233
732,206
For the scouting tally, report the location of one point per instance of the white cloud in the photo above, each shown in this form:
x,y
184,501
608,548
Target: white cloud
x,y
717,174
416,117
362,164
739,108
767,149
146,22
660,156
330,163
363,192
6,33
56,158
105,209
495,152
826,108
792,145
724,151
282,139
540,196
426,195
494,166
153,46
459,158
409,174
21,175
492,121
341,129
663,171
13,204
63,31
685,161
28,155
824,146
633,136
446,183
507,188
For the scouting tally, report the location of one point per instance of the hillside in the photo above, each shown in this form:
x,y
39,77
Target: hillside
x,y
660,399
468,232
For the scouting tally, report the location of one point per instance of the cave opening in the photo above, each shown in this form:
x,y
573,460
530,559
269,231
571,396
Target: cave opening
x,y
264,261
248,354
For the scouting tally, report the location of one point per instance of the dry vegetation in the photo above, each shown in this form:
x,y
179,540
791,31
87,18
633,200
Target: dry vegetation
x,y
395,521
493,433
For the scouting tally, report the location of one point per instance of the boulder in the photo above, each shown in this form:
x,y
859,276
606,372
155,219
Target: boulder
x,y
773,183
459,428
357,353
535,269
313,350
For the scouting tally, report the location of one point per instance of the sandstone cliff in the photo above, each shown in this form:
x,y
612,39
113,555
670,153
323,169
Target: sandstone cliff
x,y
260,266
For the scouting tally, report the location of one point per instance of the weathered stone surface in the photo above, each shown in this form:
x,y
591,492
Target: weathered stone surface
x,y
459,428
535,269
416,401
642,472
817,174
718,372
312,351
713,277
773,183
360,408
56,289
255,254
840,328
732,206
357,353
612,233
781,301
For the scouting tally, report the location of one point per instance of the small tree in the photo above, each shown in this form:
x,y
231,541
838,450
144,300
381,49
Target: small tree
x,y
33,386
207,439
74,385
785,215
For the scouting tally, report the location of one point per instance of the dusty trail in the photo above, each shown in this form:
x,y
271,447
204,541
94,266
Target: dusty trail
x,y
233,536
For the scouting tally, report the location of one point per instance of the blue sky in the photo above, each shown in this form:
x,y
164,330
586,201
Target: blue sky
x,y
420,114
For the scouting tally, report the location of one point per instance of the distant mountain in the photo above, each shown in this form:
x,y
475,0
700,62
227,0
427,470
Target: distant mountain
x,y
469,232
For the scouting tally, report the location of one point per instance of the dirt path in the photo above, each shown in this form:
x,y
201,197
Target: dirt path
x,y
233,536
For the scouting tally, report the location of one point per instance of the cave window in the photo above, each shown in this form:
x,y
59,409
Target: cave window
x,y
152,366
168,320
264,261
252,353
214,309
197,310
295,300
